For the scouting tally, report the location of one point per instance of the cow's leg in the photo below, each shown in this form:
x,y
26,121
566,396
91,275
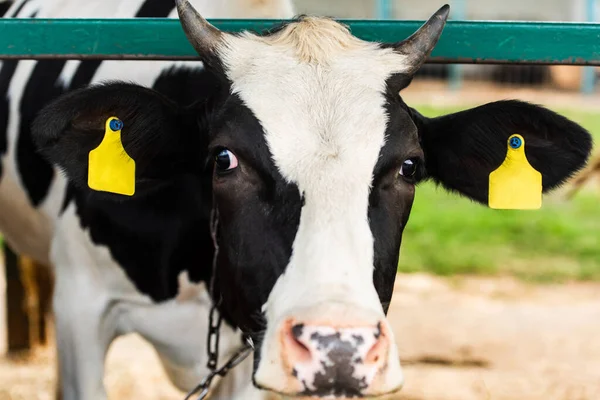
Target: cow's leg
x,y
45,287
83,335
178,329
85,312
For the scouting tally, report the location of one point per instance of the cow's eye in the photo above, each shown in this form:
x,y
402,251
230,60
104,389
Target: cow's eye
x,y
226,160
409,168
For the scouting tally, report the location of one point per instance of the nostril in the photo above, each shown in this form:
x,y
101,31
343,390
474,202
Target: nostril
x,y
297,330
379,348
297,351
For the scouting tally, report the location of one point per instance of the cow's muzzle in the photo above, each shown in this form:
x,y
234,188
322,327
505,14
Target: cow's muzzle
x,y
314,359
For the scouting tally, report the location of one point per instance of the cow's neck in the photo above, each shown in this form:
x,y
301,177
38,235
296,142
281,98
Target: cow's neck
x,y
156,239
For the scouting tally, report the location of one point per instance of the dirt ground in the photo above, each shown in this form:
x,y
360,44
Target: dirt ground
x,y
459,338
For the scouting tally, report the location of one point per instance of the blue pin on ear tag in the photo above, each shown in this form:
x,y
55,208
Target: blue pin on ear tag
x,y
110,168
515,184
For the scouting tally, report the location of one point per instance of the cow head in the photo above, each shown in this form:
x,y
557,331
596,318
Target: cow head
x,y
313,161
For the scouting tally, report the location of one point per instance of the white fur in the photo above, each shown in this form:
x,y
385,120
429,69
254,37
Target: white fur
x,y
324,123
94,300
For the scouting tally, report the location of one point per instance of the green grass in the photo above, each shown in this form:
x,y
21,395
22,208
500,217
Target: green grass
x,y
449,235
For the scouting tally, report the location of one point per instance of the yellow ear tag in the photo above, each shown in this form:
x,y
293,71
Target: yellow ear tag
x,y
515,184
110,167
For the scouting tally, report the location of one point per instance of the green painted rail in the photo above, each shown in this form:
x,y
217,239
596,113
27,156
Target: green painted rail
x,y
148,38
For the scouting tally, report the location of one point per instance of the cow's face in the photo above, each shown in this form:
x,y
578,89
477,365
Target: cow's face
x,y
316,158
314,161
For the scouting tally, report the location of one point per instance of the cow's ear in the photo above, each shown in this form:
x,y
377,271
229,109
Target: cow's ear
x,y
462,149
162,138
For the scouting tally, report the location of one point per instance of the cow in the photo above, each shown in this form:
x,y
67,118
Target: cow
x,y
282,176
39,212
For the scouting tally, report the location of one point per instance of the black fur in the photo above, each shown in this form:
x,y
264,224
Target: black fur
x,y
163,229
4,7
391,198
155,9
260,215
36,172
160,136
7,71
462,149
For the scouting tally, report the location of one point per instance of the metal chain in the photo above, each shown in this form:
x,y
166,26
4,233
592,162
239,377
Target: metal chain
x,y
215,320
212,344
204,386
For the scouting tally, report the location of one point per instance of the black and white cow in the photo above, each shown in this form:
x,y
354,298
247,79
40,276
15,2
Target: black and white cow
x,y
101,294
299,139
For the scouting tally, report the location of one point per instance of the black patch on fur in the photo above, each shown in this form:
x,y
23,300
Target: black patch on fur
x,y
6,73
161,230
155,9
183,84
87,68
4,7
463,148
391,196
260,214
42,87
397,82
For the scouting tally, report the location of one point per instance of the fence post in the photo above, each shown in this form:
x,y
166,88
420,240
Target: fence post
x,y
18,317
588,82
384,9
458,11
29,287
3,305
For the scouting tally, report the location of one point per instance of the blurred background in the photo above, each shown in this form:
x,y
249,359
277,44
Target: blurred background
x,y
488,304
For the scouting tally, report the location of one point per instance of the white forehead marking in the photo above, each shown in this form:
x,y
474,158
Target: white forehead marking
x,y
318,93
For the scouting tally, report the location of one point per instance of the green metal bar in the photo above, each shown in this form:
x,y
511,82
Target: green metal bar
x,y
384,9
461,42
589,79
458,11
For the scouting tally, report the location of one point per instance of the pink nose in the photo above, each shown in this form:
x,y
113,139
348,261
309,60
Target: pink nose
x,y
334,361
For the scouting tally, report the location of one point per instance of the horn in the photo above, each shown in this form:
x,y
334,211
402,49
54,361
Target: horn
x,y
418,46
203,36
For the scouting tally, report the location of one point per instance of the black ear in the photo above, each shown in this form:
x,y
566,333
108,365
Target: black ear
x,y
163,139
462,149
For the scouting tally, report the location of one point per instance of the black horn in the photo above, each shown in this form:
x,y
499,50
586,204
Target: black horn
x,y
418,46
203,36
